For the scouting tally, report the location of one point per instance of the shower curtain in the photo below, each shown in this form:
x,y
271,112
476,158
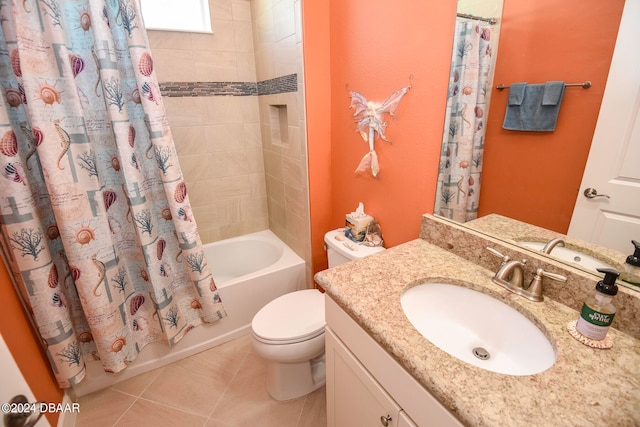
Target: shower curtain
x,y
97,228
460,170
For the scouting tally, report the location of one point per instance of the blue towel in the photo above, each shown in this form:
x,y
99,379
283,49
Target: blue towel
x,y
516,93
533,107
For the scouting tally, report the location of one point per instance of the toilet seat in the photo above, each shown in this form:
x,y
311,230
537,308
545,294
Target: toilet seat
x,y
290,318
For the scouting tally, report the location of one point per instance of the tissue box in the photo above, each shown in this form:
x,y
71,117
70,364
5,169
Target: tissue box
x,y
356,228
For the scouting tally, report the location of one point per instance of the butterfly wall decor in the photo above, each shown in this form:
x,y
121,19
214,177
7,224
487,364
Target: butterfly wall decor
x,y
368,116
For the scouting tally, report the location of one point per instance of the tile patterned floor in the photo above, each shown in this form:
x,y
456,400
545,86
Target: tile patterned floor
x,y
220,387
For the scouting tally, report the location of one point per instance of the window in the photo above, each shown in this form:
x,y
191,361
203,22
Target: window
x,y
171,15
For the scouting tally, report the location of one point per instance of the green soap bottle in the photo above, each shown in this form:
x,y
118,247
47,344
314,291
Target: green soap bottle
x,y
631,271
597,311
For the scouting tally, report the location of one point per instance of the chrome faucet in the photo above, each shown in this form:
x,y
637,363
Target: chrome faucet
x,y
510,275
552,244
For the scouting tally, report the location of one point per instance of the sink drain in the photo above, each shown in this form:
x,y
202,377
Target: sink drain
x,y
481,353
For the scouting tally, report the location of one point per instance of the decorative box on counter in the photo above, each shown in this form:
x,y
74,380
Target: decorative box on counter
x,y
356,224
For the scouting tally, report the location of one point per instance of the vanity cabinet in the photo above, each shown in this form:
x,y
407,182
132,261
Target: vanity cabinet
x,y
367,387
354,397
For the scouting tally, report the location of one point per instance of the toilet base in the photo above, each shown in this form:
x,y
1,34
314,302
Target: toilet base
x,y
286,381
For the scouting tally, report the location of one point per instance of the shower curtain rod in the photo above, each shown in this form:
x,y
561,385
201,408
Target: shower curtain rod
x,y
491,21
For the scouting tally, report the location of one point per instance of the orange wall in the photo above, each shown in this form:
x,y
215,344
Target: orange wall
x,y
374,48
535,176
24,346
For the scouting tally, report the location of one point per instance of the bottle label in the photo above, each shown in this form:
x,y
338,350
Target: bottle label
x,y
593,324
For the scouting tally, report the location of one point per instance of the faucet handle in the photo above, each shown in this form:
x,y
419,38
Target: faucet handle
x,y
554,276
505,258
535,287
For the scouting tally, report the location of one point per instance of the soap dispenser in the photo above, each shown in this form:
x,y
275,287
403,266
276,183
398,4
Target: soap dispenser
x,y
631,270
597,311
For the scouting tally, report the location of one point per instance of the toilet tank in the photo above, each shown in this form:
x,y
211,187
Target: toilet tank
x,y
339,253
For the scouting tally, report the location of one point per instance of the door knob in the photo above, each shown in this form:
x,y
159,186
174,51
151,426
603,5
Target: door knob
x,y
20,413
591,193
384,420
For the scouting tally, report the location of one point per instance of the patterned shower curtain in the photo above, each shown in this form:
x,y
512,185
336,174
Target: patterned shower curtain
x,y
459,175
96,223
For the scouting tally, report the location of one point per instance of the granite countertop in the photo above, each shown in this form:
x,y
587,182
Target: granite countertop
x,y
518,231
585,386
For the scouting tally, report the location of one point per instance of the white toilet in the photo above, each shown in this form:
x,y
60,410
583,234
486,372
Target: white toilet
x,y
289,331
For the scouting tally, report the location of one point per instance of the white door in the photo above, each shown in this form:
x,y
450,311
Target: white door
x,y
12,383
613,166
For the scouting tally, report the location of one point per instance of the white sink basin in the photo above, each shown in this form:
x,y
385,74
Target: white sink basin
x,y
478,329
570,255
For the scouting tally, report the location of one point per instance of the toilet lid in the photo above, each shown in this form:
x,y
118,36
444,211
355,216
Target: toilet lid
x,y
292,317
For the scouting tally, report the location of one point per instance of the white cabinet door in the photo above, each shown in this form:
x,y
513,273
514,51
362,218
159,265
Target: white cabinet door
x,y
354,397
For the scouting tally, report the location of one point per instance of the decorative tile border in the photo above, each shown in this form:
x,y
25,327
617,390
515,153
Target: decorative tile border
x,y
195,89
278,85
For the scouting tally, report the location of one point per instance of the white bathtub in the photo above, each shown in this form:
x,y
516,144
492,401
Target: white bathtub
x,y
249,271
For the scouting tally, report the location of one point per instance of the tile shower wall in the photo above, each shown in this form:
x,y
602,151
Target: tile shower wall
x,y
278,51
217,137
234,100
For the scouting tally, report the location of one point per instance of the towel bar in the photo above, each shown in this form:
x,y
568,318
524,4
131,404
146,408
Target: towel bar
x,y
585,85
